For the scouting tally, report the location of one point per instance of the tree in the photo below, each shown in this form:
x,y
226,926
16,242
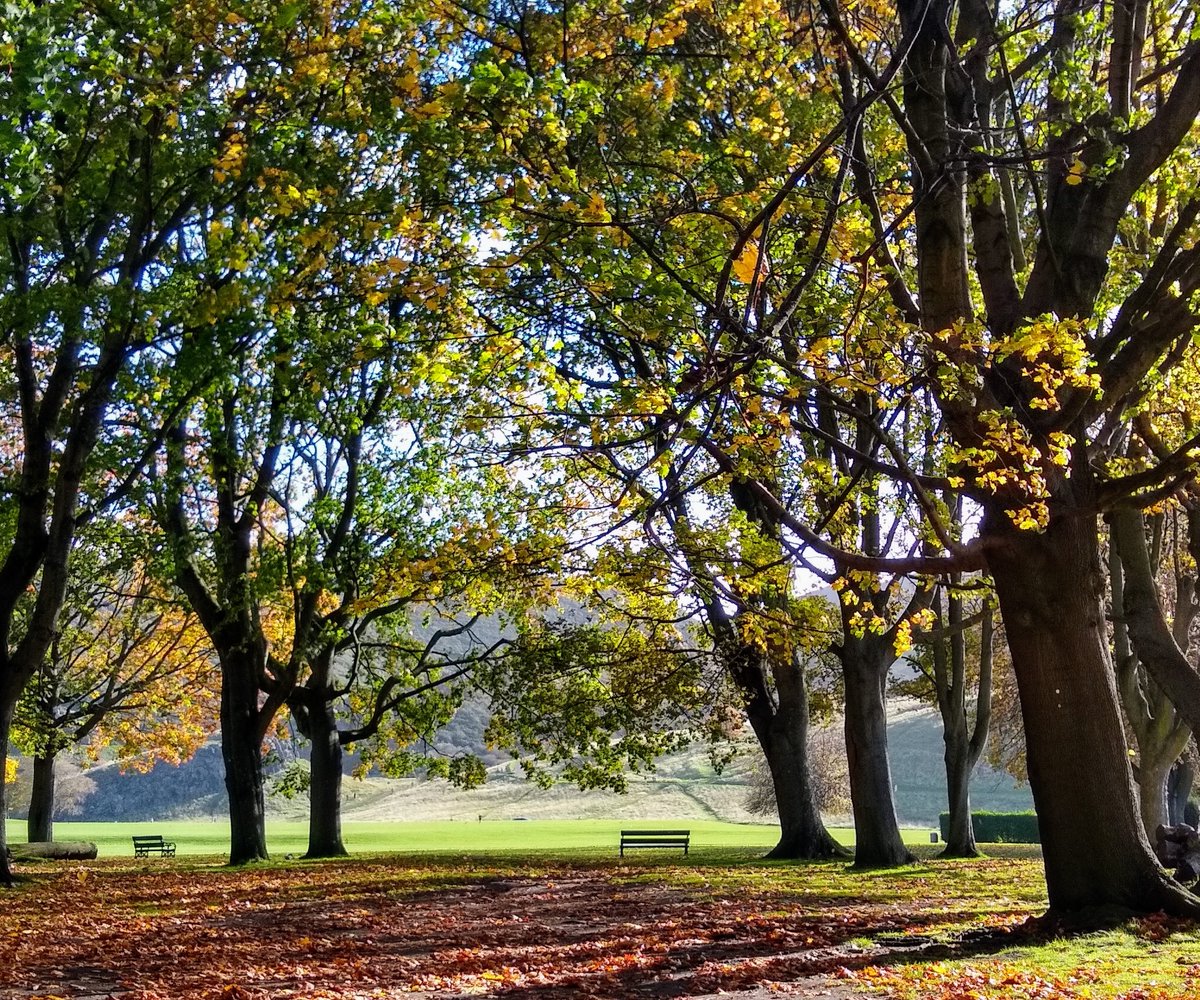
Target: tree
x,y
951,667
126,668
593,691
1001,188
657,388
1160,733
120,132
314,500
1049,378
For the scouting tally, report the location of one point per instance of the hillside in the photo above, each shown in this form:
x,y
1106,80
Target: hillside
x,y
683,785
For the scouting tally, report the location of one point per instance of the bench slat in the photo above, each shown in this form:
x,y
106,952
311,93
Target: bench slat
x,y
656,833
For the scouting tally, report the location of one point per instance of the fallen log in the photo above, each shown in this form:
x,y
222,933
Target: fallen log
x,y
54,850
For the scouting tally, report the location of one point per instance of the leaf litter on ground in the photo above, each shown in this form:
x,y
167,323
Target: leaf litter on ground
x,y
385,927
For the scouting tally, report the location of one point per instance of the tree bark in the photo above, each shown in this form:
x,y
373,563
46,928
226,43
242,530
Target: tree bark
x,y
782,732
41,801
67,850
877,841
960,839
319,725
1152,793
8,702
1179,790
1050,589
241,749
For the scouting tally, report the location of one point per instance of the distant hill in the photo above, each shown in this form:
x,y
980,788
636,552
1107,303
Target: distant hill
x,y
684,785
919,773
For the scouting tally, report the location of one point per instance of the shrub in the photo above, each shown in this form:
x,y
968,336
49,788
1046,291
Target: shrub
x,y
999,827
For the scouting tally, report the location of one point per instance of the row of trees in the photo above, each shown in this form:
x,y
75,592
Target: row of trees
x,y
360,308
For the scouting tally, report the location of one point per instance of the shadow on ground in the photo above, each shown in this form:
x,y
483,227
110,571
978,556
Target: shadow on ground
x,y
374,929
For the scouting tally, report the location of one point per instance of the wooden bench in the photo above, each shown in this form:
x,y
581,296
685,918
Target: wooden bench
x,y
144,846
655,838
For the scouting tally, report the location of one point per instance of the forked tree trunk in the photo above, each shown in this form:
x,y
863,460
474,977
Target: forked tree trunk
x,y
963,747
782,732
877,841
41,800
325,785
1152,794
241,749
778,714
1050,590
960,837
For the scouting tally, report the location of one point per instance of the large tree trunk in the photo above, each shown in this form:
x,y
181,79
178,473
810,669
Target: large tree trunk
x,y
41,800
1050,589
877,841
960,839
319,725
241,748
782,732
1152,794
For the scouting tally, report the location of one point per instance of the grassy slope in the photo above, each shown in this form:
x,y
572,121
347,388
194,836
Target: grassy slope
x,y
918,771
683,785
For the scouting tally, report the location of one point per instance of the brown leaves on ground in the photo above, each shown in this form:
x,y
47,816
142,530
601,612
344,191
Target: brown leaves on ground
x,y
382,929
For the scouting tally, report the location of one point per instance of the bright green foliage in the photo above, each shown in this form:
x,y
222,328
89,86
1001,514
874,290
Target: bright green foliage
x,y
591,703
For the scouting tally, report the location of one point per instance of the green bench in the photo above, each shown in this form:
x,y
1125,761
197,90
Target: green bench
x,y
655,838
143,847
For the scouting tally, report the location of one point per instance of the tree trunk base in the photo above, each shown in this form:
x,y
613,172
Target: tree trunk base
x,y
960,852
825,849
873,865
317,854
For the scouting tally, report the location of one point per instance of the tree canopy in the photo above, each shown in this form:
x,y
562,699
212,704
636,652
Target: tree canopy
x,y
378,305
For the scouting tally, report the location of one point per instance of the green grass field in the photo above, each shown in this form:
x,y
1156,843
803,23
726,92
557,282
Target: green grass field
x,y
488,837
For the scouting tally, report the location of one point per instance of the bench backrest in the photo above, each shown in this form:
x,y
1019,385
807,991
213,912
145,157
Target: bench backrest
x,y
656,833
156,839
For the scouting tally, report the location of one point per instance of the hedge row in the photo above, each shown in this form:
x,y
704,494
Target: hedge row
x,y
999,827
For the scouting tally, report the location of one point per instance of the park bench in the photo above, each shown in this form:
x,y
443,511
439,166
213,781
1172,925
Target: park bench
x,y
655,838
143,846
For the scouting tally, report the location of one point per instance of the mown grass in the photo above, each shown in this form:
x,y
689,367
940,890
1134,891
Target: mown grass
x,y
598,837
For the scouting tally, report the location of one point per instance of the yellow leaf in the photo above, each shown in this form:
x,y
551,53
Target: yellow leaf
x,y
430,109
747,260
596,210
410,85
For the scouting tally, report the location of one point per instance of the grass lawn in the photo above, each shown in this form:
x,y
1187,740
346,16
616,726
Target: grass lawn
x,y
598,837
